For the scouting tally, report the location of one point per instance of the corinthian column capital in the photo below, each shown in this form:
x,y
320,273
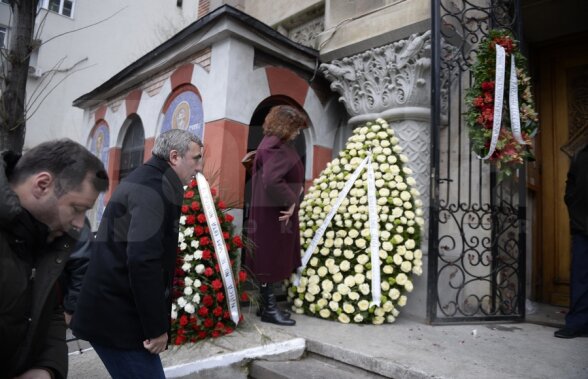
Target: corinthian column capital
x,y
384,80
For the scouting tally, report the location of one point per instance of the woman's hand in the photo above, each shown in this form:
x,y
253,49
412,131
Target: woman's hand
x,y
287,214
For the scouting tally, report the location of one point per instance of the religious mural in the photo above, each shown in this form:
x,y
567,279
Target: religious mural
x,y
185,112
99,145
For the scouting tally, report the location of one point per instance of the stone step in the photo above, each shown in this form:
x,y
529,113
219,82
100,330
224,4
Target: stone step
x,y
311,366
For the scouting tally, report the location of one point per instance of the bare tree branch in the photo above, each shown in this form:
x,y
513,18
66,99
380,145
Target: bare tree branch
x,y
83,27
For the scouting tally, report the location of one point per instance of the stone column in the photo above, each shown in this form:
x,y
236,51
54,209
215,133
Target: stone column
x,y
393,82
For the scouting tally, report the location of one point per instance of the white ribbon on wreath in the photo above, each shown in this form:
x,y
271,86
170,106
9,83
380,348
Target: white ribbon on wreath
x,y
373,222
513,99
220,248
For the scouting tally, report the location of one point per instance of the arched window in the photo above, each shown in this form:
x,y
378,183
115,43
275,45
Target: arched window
x,y
133,148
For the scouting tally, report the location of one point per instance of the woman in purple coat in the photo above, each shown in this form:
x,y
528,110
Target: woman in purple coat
x,y
278,179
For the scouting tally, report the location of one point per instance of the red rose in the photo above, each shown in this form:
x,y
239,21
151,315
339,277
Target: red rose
x,y
478,102
242,276
206,254
226,235
183,320
201,218
237,241
208,300
189,195
203,311
229,217
222,205
198,230
217,311
195,206
244,296
202,335
217,284
219,325
228,329
185,209
488,86
204,241
179,340
215,334
208,323
190,220
213,191
204,288
220,296
208,271
193,183
227,315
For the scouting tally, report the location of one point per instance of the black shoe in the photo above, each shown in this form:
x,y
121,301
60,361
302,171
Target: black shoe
x,y
568,333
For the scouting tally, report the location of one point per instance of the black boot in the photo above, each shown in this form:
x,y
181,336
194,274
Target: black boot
x,y
270,311
285,312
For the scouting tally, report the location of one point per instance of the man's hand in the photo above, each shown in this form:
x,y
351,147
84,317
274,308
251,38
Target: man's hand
x,y
287,214
35,373
156,345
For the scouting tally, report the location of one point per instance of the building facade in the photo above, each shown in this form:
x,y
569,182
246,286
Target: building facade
x,y
220,65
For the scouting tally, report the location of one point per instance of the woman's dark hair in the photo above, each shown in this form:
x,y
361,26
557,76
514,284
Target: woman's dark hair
x,y
282,121
69,163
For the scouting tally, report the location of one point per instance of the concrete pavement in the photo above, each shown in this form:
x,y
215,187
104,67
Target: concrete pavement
x,y
406,349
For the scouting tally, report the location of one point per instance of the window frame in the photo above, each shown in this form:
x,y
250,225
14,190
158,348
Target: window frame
x,y
4,39
45,5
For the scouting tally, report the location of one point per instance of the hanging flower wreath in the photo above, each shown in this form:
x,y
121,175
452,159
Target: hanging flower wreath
x,y
508,154
199,308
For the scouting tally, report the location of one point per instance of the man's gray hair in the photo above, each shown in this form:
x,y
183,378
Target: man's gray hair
x,y
174,139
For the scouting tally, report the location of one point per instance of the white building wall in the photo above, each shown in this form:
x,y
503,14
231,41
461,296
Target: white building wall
x,y
90,55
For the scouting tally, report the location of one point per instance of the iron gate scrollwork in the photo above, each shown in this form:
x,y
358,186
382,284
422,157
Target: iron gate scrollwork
x,y
477,223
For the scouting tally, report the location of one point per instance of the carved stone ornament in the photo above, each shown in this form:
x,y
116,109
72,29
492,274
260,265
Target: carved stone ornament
x,y
386,80
307,33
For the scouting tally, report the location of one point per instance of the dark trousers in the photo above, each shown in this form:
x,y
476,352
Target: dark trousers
x,y
577,317
130,364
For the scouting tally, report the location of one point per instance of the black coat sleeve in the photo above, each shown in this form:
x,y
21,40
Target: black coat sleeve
x,y
75,269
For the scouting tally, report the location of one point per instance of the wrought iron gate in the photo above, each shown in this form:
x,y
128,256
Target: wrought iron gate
x,y
477,223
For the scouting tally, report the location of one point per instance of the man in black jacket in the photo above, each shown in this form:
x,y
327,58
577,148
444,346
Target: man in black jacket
x,y
124,306
576,199
71,279
43,196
